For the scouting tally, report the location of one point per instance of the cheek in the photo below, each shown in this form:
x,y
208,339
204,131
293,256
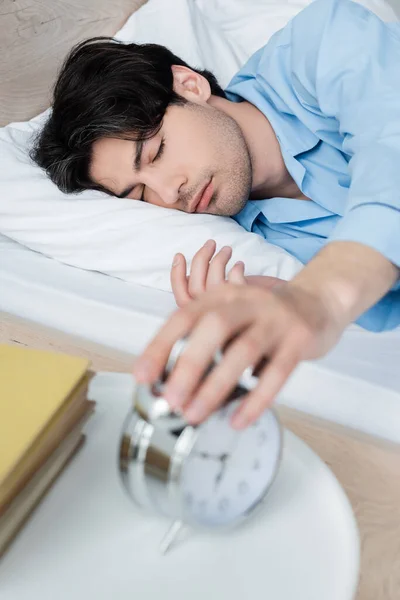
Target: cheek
x,y
197,152
193,141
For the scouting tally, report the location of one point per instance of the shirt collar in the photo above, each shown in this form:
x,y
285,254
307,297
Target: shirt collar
x,y
280,210
293,137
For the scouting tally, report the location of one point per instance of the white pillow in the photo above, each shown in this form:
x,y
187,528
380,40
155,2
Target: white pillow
x,y
124,238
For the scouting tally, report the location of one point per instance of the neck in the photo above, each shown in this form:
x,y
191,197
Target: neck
x,y
270,176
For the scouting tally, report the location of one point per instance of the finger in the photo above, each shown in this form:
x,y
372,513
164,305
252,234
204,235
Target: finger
x,y
151,364
210,334
247,350
179,281
199,269
217,269
272,378
236,274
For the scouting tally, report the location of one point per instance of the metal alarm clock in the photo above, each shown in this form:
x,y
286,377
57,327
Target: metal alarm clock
x,y
208,475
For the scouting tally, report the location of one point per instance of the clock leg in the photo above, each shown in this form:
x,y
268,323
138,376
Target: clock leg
x,y
170,536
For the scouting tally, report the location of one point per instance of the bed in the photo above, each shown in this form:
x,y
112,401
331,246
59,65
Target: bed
x,y
45,303
96,307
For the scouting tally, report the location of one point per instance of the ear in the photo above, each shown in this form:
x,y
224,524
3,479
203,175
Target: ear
x,y
191,85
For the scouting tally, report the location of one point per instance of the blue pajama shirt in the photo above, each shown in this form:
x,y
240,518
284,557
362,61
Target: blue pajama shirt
x,y
329,83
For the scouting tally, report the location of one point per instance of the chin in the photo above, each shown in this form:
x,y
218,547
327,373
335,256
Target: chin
x,y
232,204
225,211
226,205
237,206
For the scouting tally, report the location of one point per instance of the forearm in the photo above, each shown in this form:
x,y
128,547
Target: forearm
x,y
348,278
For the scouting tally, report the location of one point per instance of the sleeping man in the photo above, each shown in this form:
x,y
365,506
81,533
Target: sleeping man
x,y
303,148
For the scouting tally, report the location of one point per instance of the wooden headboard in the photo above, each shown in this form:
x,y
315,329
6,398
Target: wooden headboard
x,y
36,35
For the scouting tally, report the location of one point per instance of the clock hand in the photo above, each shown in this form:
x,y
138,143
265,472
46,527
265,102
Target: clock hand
x,y
206,455
218,479
224,460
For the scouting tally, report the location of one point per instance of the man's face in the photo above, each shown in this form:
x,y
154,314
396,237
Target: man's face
x,y
198,162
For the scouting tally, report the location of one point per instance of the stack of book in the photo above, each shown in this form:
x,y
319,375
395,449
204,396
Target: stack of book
x,y
43,407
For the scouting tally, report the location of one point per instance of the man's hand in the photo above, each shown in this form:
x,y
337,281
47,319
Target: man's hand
x,y
209,270
284,325
291,322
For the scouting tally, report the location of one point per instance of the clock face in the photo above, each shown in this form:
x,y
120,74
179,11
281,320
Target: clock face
x,y
228,472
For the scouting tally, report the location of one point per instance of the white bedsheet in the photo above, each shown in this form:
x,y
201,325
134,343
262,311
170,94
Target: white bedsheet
x,y
83,303
357,385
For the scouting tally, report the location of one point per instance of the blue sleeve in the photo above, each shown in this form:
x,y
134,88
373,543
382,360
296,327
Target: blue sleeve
x,y
349,62
346,64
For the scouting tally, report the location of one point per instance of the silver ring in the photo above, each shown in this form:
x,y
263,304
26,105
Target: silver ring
x,y
247,379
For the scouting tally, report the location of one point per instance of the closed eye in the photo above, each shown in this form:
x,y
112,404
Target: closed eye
x,y
157,157
160,151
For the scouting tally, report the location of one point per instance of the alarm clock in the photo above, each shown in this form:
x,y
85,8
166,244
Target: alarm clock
x,y
209,475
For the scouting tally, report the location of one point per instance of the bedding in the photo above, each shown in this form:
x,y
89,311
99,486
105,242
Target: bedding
x,y
122,238
357,384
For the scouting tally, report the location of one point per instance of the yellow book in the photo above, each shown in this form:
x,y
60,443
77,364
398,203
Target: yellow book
x,y
46,443
34,384
25,503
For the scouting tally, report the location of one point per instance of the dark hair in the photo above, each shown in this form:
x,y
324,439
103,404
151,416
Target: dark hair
x,y
105,89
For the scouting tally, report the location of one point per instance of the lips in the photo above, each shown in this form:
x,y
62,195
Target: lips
x,y
203,198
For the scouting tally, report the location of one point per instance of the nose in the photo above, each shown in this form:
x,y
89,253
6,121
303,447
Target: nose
x,y
167,187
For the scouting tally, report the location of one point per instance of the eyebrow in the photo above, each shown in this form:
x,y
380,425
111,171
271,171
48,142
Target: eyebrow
x,y
136,164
